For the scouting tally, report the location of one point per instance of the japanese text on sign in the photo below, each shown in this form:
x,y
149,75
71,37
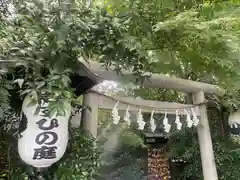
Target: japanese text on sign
x,y
47,138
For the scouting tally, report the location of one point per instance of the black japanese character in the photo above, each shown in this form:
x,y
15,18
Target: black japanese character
x,y
53,124
44,136
44,112
45,153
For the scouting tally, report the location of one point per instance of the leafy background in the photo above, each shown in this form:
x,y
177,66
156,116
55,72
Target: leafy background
x,y
41,43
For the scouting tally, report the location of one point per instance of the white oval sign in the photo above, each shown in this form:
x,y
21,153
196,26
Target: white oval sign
x,y
43,140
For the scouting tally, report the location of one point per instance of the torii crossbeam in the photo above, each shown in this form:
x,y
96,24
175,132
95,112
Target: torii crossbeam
x,y
98,73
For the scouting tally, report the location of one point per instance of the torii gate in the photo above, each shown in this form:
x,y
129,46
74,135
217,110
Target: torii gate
x,y
96,72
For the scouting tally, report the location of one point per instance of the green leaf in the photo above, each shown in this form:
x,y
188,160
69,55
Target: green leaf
x,y
52,112
13,49
26,91
66,80
19,81
55,77
40,84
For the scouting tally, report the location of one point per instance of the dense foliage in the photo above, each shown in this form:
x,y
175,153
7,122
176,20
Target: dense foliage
x,y
43,42
188,39
81,161
185,146
127,158
41,46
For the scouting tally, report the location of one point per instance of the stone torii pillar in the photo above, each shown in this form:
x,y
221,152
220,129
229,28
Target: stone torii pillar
x,y
89,118
205,141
